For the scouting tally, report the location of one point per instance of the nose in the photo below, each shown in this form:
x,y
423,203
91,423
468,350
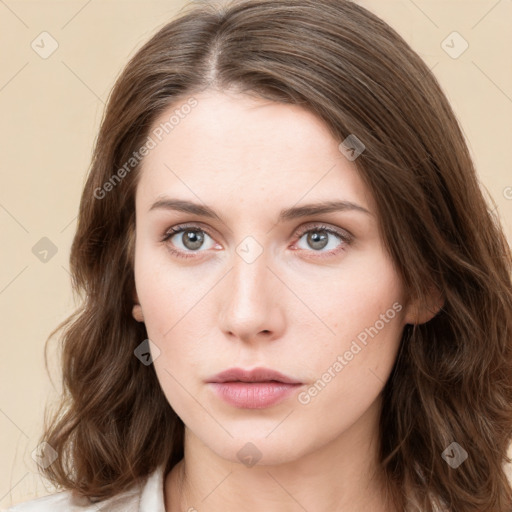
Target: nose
x,y
252,301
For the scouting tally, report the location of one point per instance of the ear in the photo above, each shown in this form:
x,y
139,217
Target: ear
x,y
418,313
137,308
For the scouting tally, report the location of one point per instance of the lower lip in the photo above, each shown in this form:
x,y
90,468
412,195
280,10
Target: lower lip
x,y
253,395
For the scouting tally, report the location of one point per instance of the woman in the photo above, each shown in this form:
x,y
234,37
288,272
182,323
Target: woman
x,y
295,296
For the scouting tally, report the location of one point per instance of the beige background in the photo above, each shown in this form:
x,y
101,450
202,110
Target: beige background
x,y
51,109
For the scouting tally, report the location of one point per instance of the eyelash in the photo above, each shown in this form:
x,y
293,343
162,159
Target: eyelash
x,y
344,236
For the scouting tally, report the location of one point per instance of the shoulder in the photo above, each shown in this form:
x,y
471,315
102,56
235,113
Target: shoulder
x,y
145,496
67,501
55,502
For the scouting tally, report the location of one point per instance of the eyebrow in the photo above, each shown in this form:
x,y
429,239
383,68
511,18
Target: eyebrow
x,y
294,212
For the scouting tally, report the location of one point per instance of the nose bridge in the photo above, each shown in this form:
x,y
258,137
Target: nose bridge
x,y
251,277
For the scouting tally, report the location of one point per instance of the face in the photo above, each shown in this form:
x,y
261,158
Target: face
x,y
263,281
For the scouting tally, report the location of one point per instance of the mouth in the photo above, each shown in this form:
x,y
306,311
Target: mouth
x,y
255,389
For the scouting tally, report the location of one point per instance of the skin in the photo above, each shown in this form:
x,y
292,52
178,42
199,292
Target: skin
x,y
294,309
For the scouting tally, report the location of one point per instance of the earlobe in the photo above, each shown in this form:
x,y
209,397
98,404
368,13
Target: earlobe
x,y
421,313
137,308
137,313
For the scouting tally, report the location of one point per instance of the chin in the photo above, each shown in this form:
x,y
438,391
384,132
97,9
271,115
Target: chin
x,y
259,450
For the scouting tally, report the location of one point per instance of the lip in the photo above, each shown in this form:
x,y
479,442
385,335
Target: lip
x,y
253,389
255,375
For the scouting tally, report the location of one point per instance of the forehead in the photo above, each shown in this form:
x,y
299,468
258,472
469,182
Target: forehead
x,y
230,143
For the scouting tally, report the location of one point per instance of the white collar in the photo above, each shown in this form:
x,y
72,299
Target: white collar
x,y
152,497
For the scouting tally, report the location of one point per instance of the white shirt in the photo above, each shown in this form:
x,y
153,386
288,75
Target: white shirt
x,y
146,498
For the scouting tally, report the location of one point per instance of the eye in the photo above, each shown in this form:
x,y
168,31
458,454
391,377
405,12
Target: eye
x,y
320,237
191,240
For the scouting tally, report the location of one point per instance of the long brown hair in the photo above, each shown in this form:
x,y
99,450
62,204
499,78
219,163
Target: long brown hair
x,y
452,380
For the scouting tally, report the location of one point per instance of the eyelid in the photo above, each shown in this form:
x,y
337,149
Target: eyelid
x,y
179,228
341,232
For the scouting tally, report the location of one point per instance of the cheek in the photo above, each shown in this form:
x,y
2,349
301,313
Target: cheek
x,y
174,316
162,291
349,374
355,297
363,317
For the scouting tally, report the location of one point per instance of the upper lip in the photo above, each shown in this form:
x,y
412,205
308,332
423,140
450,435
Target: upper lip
x,y
254,375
